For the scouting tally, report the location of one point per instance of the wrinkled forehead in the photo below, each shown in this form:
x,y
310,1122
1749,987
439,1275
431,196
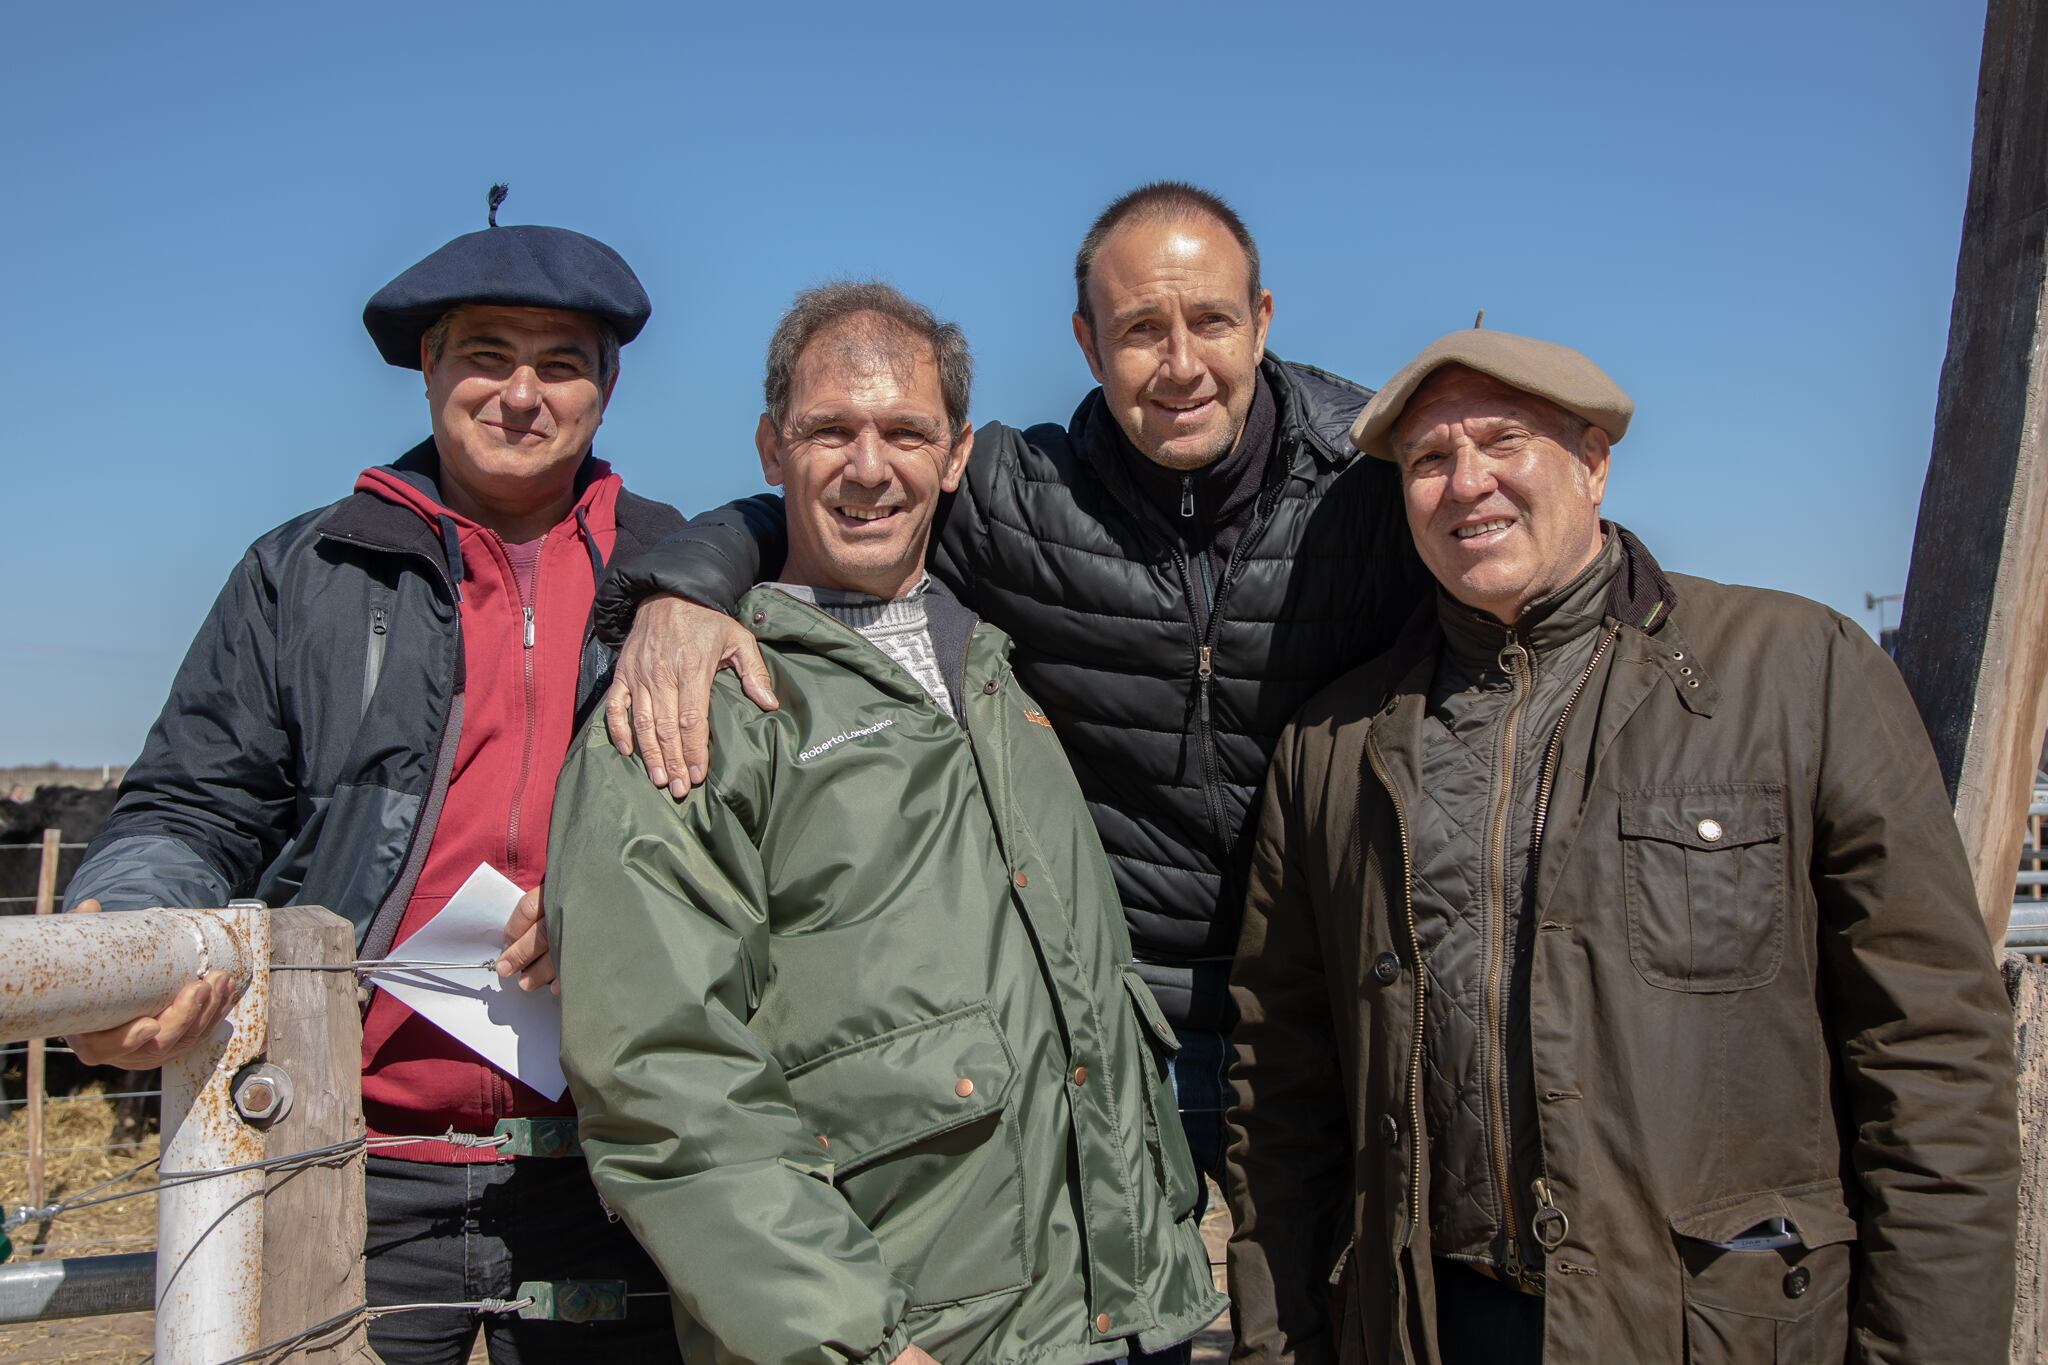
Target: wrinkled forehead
x,y
870,355
1457,395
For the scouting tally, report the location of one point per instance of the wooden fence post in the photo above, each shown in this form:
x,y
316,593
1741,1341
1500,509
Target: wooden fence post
x,y
46,901
313,1218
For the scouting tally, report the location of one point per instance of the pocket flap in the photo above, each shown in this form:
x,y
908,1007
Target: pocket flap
x,y
1148,1011
883,1094
1726,815
1815,1212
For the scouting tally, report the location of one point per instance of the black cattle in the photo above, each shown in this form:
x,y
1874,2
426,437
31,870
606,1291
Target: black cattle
x,y
78,813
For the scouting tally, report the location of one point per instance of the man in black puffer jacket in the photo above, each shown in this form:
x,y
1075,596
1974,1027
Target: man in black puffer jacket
x,y
1181,566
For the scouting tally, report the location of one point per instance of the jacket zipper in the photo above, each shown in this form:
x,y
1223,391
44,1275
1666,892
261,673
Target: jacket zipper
x,y
373,655
526,743
1205,654
1372,757
1546,1206
1514,661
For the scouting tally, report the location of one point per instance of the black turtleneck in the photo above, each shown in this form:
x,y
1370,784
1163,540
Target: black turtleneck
x,y
1211,507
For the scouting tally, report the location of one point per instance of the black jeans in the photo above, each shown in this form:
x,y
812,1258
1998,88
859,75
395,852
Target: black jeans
x,y
1484,1322
458,1233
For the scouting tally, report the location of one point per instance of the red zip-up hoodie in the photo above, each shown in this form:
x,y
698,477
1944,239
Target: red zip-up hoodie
x,y
521,655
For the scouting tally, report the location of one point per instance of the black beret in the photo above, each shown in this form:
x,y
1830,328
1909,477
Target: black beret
x,y
522,266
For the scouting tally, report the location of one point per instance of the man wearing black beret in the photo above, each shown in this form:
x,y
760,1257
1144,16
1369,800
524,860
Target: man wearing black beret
x,y
379,703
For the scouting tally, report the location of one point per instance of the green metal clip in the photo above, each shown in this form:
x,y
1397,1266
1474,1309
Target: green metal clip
x,y
538,1137
573,1300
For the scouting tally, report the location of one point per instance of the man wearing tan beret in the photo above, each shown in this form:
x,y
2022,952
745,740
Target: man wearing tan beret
x,y
1611,986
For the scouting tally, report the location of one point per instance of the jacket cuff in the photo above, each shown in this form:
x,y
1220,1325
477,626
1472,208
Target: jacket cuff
x,y
712,561
892,1346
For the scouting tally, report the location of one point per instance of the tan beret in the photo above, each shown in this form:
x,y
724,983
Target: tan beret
x,y
1543,368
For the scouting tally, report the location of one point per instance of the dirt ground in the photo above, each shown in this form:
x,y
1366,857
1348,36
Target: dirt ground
x,y
76,1132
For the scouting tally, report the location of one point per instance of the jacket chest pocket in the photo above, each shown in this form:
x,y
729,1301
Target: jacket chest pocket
x,y
1703,872
926,1149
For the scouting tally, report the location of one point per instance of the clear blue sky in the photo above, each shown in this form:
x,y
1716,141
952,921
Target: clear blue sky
x,y
1747,212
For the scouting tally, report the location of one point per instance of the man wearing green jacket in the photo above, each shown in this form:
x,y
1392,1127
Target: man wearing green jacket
x,y
854,1035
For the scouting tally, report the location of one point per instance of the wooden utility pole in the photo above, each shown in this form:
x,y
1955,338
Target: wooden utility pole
x,y
1973,637
313,1218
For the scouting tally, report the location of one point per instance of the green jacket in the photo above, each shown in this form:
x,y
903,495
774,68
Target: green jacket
x,y
853,1033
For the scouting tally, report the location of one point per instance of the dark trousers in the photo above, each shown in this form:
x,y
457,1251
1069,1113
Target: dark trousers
x,y
459,1233
1199,1069
1480,1321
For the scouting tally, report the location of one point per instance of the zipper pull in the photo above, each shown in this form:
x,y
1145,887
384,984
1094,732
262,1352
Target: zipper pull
x,y
1511,653
1202,659
528,612
376,620
1187,496
1549,1223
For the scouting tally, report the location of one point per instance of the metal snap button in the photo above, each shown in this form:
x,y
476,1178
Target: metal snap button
x,y
1710,830
1102,1322
990,687
1021,879
1385,968
1390,1130
1796,1281
963,1087
759,617
1080,1075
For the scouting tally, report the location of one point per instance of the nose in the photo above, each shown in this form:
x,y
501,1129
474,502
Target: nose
x,y
866,462
523,389
1471,476
1180,363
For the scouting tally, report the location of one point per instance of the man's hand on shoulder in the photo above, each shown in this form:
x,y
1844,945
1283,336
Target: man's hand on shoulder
x,y
660,699
526,946
148,1041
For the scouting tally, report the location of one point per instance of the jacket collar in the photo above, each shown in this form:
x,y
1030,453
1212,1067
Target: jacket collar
x,y
777,618
1314,412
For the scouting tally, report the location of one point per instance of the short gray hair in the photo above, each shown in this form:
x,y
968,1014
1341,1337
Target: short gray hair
x,y
607,344
815,311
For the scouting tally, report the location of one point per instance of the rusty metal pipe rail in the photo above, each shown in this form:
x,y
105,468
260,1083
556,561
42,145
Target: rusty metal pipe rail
x,y
76,973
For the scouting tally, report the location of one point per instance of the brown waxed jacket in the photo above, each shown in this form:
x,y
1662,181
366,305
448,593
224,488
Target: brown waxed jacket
x,y
1760,989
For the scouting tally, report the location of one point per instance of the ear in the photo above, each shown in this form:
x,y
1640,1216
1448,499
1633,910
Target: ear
x,y
1262,316
768,441
1084,337
1594,450
956,461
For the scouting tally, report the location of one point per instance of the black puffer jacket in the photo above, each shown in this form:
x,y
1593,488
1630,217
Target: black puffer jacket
x,y
1168,726
279,767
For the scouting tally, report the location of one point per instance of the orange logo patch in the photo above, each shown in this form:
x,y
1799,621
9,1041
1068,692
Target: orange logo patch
x,y
1038,718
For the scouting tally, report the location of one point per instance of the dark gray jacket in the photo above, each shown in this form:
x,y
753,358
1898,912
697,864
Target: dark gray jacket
x,y
280,768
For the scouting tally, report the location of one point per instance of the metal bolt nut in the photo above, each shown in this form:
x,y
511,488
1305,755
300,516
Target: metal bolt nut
x,y
263,1093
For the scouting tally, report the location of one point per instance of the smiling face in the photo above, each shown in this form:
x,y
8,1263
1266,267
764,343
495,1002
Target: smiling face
x,y
861,457
1176,338
516,401
1502,489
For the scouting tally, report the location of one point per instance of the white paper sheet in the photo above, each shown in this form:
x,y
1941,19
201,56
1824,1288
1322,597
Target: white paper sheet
x,y
518,1032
